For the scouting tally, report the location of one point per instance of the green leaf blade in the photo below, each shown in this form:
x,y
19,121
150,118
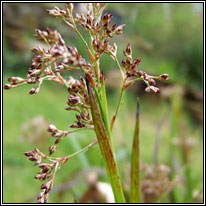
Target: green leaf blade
x,y
135,163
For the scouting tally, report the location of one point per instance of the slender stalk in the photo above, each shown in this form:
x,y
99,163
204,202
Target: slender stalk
x,y
120,68
81,37
106,149
105,110
80,129
74,154
120,102
135,163
84,149
117,109
121,95
73,26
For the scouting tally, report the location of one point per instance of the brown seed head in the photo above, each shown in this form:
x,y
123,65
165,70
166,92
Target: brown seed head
x,y
52,128
7,86
52,149
163,77
34,90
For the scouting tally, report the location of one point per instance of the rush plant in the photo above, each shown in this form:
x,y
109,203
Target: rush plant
x,y
87,95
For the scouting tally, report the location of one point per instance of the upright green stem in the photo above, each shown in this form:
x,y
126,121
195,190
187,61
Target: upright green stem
x,y
135,164
106,148
105,111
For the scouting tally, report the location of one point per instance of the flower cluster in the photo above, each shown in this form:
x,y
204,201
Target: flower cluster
x,y
58,134
15,81
88,22
47,171
35,156
48,63
100,28
108,30
130,65
130,69
78,100
64,14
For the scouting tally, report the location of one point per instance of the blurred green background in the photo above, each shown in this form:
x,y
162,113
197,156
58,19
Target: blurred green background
x,y
169,39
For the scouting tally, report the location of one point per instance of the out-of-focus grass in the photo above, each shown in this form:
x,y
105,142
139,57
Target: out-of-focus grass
x,y
19,107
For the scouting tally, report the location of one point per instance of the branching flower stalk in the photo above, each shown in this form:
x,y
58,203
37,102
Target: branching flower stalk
x,y
87,96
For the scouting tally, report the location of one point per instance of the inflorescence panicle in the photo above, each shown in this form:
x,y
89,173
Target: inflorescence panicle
x,y
49,63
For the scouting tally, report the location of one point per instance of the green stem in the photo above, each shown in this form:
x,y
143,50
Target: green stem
x,y
120,68
84,149
76,30
134,80
80,129
117,109
98,100
76,153
106,148
105,111
73,26
135,164
120,102
81,37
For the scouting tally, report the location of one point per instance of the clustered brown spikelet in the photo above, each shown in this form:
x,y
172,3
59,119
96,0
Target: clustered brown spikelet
x,y
90,22
78,100
130,68
47,171
49,63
